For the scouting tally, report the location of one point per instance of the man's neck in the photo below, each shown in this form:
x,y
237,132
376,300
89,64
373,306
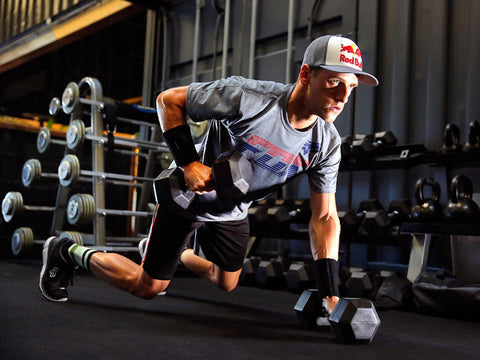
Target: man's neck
x,y
298,116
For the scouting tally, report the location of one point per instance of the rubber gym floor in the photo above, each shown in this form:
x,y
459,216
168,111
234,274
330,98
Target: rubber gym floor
x,y
195,320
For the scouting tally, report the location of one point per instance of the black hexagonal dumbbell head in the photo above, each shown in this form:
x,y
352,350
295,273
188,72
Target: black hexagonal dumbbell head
x,y
358,284
299,277
270,274
354,321
170,189
308,309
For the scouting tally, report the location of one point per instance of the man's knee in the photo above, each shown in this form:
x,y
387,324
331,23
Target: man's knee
x,y
146,287
227,280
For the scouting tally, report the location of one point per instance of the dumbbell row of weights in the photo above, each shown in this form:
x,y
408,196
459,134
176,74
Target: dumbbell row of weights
x,y
69,173
12,205
275,216
23,240
452,139
460,209
81,210
360,146
77,134
372,220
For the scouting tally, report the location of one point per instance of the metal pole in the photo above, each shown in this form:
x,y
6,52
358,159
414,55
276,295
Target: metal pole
x,y
253,37
291,18
226,34
196,38
98,163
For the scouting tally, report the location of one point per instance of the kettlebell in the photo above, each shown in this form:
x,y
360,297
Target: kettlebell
x,y
473,141
451,138
461,208
426,209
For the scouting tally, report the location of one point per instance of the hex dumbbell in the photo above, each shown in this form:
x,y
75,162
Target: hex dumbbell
x,y
69,173
354,320
13,205
81,210
231,172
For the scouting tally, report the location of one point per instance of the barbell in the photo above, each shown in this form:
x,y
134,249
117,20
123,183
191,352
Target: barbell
x,y
81,210
23,240
69,173
12,205
77,134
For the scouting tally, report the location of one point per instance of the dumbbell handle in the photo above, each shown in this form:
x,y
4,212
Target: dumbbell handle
x,y
38,208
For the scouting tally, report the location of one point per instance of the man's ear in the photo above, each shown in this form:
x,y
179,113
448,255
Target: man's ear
x,y
305,73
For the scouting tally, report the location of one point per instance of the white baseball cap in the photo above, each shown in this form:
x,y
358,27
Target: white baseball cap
x,y
338,54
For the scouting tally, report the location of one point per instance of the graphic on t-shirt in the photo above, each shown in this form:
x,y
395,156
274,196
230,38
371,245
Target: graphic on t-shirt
x,y
276,160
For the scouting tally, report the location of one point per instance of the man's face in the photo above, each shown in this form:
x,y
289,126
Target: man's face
x,y
328,92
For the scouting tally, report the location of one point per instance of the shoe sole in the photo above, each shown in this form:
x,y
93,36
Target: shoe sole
x,y
44,269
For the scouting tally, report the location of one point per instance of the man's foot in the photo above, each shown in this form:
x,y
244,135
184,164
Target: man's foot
x,y
57,271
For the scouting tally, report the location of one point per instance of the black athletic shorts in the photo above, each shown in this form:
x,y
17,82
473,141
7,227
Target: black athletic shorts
x,y
223,243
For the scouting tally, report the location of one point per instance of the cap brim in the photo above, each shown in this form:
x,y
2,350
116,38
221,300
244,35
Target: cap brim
x,y
363,77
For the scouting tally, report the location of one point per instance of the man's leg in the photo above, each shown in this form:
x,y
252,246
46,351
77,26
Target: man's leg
x,y
224,245
226,280
126,275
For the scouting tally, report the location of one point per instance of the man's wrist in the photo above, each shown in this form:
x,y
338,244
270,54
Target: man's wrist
x,y
180,143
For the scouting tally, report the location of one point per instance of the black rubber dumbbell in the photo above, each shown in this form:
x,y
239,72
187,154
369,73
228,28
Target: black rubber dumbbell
x,y
299,276
353,320
231,172
270,274
366,145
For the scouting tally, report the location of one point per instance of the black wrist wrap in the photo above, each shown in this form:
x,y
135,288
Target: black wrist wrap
x,y
180,143
326,276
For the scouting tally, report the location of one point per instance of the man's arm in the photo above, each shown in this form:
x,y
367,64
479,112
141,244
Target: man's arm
x,y
324,230
171,110
324,227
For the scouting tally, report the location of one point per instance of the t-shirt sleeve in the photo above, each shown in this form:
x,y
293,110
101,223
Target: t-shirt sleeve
x,y
322,176
217,100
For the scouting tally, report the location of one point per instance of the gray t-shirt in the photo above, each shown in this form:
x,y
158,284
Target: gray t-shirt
x,y
255,115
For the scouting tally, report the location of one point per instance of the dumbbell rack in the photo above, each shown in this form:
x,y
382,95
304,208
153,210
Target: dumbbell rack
x,y
77,109
420,234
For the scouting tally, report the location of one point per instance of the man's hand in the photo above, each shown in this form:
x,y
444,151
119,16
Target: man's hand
x,y
198,177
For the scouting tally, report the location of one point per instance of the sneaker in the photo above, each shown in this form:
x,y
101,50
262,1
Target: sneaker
x,y
142,246
57,272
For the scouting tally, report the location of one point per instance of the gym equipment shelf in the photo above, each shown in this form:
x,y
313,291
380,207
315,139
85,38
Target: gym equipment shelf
x,y
408,156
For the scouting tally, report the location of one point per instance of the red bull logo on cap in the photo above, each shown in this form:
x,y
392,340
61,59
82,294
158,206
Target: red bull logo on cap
x,y
351,55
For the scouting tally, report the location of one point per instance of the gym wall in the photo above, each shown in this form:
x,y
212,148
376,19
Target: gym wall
x,y
424,52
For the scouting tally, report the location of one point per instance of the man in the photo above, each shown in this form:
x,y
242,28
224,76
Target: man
x,y
283,130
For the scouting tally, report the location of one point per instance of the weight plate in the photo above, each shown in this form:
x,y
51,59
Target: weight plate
x,y
54,106
79,209
43,140
70,97
69,170
31,172
74,235
75,135
12,204
22,240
